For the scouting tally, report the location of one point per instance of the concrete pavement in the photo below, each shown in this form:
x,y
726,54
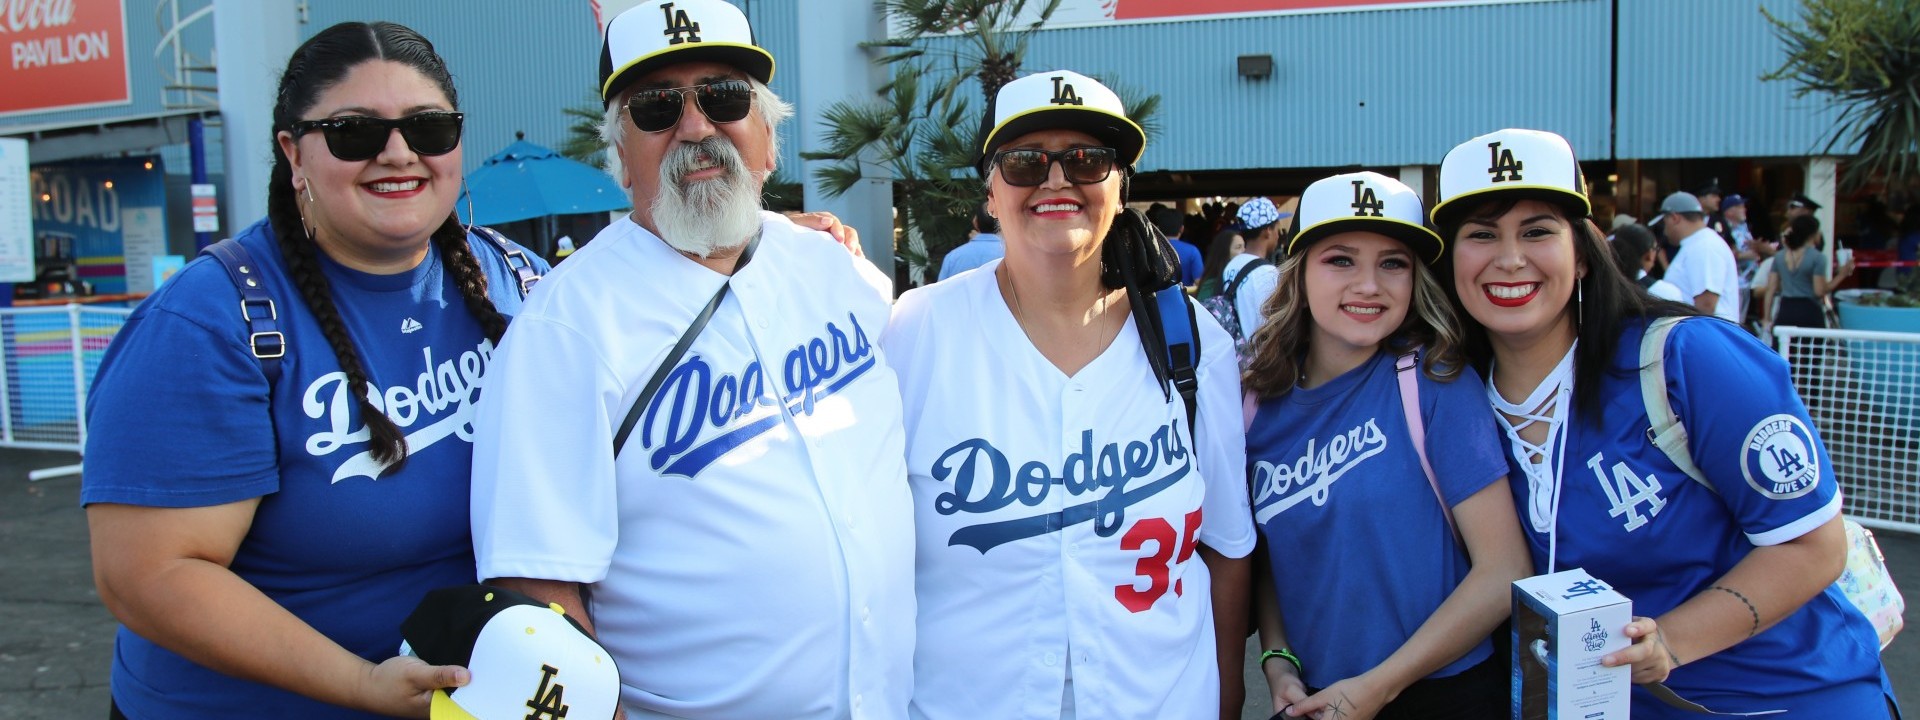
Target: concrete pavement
x,y
56,641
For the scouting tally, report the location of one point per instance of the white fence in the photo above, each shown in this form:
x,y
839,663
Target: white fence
x,y
48,356
1863,391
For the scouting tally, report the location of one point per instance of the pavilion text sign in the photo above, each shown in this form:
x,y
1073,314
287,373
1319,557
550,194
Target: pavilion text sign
x,y
62,54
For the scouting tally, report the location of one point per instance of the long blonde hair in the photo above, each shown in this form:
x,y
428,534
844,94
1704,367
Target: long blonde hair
x,y
1280,345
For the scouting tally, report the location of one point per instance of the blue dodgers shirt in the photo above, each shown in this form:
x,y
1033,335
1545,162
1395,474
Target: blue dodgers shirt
x,y
1360,550
1631,518
181,415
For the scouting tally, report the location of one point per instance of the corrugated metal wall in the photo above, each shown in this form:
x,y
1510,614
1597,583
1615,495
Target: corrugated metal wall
x,y
515,63
144,72
776,26
1393,87
1690,83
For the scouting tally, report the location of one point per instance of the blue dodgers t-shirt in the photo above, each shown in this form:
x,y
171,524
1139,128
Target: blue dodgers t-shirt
x,y
1629,517
181,415
1360,550
1190,261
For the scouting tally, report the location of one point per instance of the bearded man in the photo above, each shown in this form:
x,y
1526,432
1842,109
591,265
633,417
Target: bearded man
x,y
690,441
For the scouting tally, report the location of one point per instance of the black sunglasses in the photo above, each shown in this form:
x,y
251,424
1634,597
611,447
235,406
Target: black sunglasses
x,y
1080,165
658,109
357,137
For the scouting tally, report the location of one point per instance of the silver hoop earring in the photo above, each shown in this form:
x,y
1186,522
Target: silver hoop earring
x,y
1580,298
308,187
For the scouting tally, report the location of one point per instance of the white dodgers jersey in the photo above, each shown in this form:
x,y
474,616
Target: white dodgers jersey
x,y
1057,518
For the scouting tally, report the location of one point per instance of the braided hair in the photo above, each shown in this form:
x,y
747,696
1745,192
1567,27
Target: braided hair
x,y
320,63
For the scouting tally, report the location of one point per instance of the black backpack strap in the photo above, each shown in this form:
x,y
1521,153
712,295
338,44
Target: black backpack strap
x,y
1233,288
516,261
678,350
256,306
1180,329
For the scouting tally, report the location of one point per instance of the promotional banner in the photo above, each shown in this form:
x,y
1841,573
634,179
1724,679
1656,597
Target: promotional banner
x,y
105,220
16,212
63,54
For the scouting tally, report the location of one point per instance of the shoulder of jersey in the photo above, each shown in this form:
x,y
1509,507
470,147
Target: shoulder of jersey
x,y
942,296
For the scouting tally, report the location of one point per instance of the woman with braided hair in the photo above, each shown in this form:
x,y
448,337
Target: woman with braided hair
x,y
261,524
1078,528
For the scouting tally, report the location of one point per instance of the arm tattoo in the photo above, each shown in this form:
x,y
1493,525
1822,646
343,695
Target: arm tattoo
x,y
1755,630
1661,635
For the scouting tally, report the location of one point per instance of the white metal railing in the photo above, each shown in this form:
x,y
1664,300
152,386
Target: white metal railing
x,y
48,356
1863,390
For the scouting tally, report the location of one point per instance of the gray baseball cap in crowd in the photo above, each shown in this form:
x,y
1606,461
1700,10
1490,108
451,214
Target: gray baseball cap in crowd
x,y
1682,202
659,33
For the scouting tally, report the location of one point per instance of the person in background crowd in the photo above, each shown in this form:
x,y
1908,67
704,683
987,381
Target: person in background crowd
x,y
753,559
1260,225
1800,279
1710,201
1704,270
1227,244
1907,245
261,559
1734,572
1634,249
1369,605
1801,205
1114,589
1172,222
982,247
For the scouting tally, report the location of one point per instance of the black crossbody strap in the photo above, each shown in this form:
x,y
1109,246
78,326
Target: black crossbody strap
x,y
679,349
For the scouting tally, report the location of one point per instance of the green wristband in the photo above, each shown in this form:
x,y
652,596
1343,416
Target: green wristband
x,y
1281,653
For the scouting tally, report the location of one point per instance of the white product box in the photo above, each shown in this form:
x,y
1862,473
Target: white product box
x,y
1563,624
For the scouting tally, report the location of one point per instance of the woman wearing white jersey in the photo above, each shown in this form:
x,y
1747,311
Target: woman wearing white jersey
x,y
1369,446
1733,569
1075,533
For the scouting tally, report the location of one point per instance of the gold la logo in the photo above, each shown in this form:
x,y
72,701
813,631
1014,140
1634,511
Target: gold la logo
x,y
680,28
549,701
1502,166
1365,202
1063,93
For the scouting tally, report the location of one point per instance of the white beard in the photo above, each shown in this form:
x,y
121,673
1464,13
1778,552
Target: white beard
x,y
707,216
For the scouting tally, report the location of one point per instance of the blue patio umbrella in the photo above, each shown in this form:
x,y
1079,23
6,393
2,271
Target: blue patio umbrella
x,y
527,181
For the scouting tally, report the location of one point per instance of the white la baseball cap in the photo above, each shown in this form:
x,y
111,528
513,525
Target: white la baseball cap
x,y
654,34
1530,164
1366,202
522,655
1059,99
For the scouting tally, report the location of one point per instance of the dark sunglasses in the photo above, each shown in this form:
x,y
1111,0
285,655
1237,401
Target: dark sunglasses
x,y
357,137
1080,165
658,109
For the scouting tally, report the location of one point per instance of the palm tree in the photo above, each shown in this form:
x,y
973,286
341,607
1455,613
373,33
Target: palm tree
x,y
1864,55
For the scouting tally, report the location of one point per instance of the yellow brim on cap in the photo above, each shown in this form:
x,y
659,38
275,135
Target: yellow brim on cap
x,y
1421,239
1532,191
444,708
619,75
1133,148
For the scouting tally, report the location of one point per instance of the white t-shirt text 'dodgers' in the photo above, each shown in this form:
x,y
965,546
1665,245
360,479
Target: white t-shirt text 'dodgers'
x,y
750,552
1057,517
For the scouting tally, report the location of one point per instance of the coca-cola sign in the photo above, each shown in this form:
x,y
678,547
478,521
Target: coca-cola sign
x,y
62,54
35,14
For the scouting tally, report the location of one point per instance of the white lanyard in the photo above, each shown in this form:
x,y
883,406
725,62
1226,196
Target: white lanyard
x,y
1551,404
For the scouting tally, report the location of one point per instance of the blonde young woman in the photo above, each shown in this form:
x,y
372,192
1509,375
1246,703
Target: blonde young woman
x,y
1370,606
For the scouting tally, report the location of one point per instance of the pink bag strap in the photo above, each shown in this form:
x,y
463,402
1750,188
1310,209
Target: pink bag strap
x,y
1406,368
1249,405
